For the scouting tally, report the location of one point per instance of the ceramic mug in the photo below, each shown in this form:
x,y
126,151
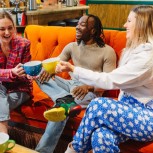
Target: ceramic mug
x,y
32,68
5,143
49,65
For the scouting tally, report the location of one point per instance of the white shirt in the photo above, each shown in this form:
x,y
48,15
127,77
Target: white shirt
x,y
134,75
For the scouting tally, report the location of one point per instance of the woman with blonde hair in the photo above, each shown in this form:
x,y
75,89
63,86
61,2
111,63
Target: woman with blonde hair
x,y
108,122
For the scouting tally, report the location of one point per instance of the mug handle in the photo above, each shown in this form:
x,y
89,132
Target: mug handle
x,y
10,142
22,66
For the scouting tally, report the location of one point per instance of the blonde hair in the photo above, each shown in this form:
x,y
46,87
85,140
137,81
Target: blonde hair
x,y
6,14
143,31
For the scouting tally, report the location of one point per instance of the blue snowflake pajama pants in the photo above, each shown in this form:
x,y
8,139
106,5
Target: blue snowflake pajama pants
x,y
108,122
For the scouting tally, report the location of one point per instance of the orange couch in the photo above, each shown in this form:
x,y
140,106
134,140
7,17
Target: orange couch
x,y
48,41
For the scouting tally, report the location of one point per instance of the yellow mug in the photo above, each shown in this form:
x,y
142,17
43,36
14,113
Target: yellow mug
x,y
49,65
5,143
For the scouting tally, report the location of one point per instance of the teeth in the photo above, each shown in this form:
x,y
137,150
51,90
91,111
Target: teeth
x,y
78,33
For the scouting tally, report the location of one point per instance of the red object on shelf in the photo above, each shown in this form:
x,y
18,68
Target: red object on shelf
x,y
82,1
21,18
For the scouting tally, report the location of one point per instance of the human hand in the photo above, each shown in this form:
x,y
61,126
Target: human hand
x,y
44,76
18,70
32,77
81,91
64,67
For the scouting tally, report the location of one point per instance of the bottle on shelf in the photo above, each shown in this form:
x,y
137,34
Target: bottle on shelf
x,y
69,3
32,5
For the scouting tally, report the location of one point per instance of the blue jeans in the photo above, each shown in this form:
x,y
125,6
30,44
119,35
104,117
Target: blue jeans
x,y
56,89
51,136
10,101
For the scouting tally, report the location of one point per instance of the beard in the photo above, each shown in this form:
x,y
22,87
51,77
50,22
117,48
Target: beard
x,y
79,41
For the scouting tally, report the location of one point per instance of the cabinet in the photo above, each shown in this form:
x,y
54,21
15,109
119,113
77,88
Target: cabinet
x,y
53,13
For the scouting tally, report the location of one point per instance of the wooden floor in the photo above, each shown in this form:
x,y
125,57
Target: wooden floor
x,y
21,149
31,139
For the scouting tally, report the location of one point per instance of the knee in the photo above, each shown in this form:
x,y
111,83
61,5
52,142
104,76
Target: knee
x,y
103,140
98,101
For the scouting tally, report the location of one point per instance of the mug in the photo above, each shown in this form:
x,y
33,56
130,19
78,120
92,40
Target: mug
x,y
5,143
32,5
32,68
49,65
70,3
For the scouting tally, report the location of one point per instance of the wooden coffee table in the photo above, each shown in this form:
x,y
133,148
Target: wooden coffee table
x,y
21,149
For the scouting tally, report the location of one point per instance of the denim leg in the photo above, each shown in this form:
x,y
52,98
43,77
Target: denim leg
x,y
60,87
86,100
4,105
51,137
10,101
15,99
70,85
54,90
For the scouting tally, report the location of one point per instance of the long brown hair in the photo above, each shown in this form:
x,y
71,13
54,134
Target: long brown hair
x,y
143,31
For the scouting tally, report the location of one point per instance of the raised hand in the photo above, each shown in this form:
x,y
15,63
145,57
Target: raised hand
x,y
64,67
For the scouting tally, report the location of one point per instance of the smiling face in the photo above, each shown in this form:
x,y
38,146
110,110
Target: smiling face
x,y
84,29
130,25
7,30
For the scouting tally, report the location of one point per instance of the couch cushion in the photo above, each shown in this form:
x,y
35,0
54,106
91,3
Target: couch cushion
x,y
116,39
48,41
